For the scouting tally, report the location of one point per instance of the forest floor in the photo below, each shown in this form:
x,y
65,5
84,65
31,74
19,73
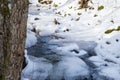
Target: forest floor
x,y
65,41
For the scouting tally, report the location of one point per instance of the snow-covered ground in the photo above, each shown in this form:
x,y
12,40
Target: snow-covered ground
x,y
84,43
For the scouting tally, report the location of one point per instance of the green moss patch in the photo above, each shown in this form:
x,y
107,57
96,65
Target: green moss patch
x,y
100,7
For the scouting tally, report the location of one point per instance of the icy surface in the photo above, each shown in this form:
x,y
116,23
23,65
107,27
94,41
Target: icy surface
x,y
31,39
73,43
70,68
37,68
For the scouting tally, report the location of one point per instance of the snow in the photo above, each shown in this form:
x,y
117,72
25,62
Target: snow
x,y
36,69
97,61
64,69
109,46
40,68
70,33
70,50
111,71
31,39
33,1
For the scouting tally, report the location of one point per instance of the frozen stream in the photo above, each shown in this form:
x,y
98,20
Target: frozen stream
x,y
73,43
75,59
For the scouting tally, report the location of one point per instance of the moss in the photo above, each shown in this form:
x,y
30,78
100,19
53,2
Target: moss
x,y
118,29
58,13
55,5
5,9
5,12
109,31
65,15
95,15
100,7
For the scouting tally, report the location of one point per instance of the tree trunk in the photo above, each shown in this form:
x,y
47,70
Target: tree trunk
x,y
1,45
12,38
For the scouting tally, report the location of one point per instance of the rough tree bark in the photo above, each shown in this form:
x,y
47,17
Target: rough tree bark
x,y
13,22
